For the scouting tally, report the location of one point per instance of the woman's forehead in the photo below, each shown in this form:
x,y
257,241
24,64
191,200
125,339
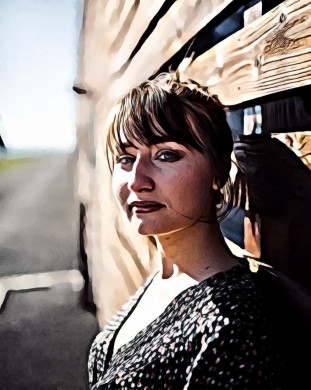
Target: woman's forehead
x,y
134,145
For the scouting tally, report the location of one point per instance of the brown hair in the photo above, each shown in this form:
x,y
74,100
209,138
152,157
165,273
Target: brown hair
x,y
166,109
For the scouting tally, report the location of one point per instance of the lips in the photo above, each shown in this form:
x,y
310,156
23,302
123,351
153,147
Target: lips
x,y
145,206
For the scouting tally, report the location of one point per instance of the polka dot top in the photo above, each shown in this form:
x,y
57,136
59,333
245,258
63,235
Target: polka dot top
x,y
213,335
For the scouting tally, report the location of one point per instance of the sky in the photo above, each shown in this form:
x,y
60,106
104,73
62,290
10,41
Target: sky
x,y
38,66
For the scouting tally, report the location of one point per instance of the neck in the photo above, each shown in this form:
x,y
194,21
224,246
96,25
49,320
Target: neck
x,y
198,250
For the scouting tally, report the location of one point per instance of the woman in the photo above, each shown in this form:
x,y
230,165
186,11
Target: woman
x,y
199,321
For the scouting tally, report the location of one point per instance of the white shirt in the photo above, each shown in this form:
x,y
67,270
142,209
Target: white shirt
x,y
154,301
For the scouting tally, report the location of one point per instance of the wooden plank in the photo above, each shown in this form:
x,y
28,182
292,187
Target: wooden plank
x,y
271,54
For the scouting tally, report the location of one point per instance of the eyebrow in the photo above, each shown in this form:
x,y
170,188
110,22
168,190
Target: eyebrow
x,y
126,145
123,146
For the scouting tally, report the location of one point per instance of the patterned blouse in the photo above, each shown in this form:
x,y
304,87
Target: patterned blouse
x,y
213,335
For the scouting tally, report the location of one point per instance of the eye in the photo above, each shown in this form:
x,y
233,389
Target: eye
x,y
168,155
124,160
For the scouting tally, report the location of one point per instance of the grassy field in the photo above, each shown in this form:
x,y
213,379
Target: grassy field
x,y
8,164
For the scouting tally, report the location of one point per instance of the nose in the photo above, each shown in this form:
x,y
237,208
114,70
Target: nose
x,y
141,176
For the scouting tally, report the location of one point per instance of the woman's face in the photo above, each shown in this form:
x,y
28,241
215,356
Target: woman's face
x,y
164,187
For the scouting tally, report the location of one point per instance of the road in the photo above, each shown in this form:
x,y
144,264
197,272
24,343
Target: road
x,y
44,334
38,214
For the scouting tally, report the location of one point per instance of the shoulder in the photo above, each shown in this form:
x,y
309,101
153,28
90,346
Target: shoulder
x,y
235,337
233,293
231,312
224,305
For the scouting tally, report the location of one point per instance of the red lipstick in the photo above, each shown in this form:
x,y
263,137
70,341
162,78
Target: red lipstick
x,y
145,206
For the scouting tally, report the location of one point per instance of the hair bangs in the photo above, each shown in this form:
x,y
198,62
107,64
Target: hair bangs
x,y
150,114
142,118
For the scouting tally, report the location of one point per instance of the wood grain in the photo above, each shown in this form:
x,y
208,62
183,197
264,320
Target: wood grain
x,y
270,55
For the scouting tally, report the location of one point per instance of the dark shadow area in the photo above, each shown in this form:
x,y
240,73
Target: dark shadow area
x,y
279,190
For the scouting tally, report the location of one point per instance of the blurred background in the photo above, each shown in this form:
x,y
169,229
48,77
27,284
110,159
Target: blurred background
x,y
44,333
68,259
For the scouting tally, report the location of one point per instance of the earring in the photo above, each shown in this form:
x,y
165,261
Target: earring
x,y
215,186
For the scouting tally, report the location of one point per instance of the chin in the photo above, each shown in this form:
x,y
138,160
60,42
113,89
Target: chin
x,y
155,229
148,225
146,230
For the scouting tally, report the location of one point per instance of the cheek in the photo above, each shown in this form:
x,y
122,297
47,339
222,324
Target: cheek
x,y
196,193
191,190
119,188
183,192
